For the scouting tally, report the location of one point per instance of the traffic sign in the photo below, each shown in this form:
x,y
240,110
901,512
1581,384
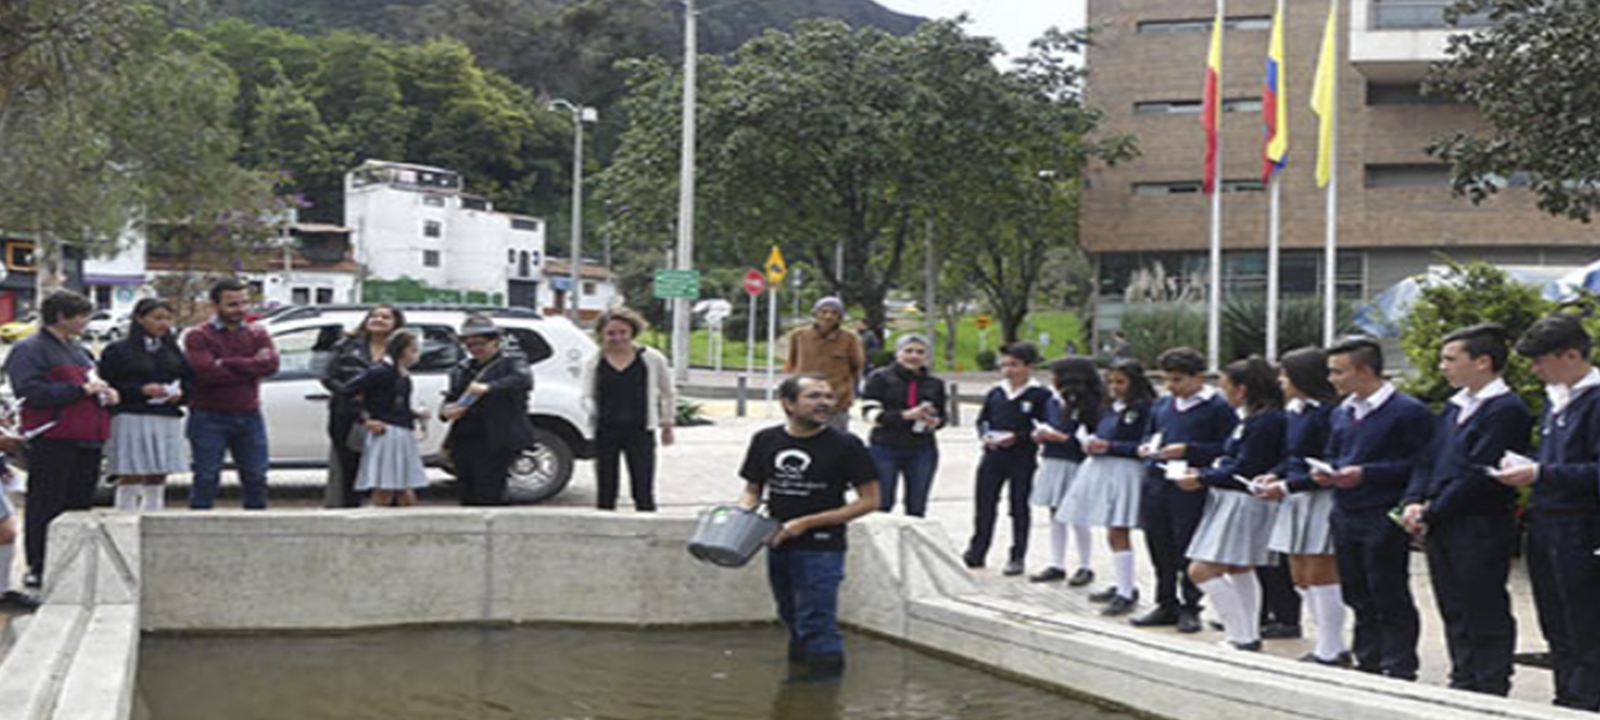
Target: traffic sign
x,y
677,284
982,322
776,268
754,282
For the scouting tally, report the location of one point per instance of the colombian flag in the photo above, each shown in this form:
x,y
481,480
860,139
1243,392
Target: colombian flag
x,y
1274,104
1211,109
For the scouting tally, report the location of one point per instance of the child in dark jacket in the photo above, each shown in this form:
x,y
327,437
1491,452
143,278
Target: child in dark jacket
x,y
391,465
1010,412
153,380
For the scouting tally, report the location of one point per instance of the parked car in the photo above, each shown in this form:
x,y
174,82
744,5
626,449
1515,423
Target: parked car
x,y
105,327
19,329
296,404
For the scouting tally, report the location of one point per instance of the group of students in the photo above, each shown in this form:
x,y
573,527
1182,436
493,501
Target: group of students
x,y
1319,461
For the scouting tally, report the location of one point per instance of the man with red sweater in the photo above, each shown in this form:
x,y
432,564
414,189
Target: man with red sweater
x,y
229,357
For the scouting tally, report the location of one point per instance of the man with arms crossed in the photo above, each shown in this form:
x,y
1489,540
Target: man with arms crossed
x,y
804,467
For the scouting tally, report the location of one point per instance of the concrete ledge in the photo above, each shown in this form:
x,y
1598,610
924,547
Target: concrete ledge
x,y
99,684
30,678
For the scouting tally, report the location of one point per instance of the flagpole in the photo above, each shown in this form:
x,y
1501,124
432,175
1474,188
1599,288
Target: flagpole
x,y
1330,258
1214,304
1272,266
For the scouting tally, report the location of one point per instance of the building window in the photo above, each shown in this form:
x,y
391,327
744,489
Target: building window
x,y
300,296
102,297
1193,107
511,257
1420,15
588,287
470,202
1193,187
324,295
432,228
430,258
1203,25
1244,273
1389,94
19,256
527,224
433,200
1411,176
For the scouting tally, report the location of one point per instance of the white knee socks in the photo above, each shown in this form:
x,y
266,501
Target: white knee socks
x,y
1248,590
1122,567
1326,603
1084,539
1058,545
8,557
128,497
1225,602
155,498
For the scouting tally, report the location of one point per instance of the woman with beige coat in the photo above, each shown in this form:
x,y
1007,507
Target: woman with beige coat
x,y
629,392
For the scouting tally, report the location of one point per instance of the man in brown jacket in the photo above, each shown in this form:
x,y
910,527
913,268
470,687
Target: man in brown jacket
x,y
829,349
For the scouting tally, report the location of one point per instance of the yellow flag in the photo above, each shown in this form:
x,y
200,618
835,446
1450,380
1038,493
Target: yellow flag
x,y
1325,94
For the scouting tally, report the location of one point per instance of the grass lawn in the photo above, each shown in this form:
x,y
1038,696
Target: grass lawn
x,y
1058,325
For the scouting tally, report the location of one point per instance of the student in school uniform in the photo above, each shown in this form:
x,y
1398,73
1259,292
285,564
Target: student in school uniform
x,y
1231,541
1302,530
1191,424
1564,518
1079,398
1374,439
1106,492
1006,424
1465,515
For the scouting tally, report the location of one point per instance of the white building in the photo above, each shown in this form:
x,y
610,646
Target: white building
x,y
115,282
414,222
596,293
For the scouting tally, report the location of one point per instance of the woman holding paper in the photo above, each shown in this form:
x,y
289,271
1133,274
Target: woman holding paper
x,y
152,378
1106,491
1231,540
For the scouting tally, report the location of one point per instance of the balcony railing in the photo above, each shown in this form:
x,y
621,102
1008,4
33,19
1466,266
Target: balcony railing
x,y
1419,15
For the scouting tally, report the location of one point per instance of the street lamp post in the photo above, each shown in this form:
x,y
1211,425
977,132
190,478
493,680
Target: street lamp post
x,y
686,171
580,115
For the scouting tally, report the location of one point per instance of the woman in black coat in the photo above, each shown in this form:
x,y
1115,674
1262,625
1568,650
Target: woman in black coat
x,y
487,408
351,357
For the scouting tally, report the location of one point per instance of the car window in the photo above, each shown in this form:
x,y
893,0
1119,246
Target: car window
x,y
440,349
304,353
532,344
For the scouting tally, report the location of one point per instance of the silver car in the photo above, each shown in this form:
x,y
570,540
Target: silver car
x,y
296,404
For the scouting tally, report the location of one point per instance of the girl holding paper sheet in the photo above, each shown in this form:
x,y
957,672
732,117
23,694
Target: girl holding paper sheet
x,y
1231,540
1106,491
153,378
1080,396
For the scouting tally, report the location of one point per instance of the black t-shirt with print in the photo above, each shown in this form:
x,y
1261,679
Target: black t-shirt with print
x,y
805,476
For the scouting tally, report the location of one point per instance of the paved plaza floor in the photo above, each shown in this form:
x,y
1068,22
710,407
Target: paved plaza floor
x,y
702,470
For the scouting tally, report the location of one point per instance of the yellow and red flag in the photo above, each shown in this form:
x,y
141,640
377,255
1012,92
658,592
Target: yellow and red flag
x,y
1211,108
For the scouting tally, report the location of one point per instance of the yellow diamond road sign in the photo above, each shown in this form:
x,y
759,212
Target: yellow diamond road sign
x,y
776,268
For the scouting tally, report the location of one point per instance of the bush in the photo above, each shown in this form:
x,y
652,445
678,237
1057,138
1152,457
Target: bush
x,y
1244,325
1152,329
1473,293
690,413
987,360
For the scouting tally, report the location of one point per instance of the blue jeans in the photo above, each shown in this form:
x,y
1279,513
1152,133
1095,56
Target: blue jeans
x,y
213,434
917,464
805,584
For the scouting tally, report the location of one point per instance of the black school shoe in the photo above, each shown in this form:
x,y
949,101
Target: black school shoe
x,y
1120,605
1012,569
1342,660
972,560
18,602
1049,574
1280,631
1082,577
1188,622
1107,595
1161,616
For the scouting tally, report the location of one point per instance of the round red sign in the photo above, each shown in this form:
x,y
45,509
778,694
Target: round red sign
x,y
755,282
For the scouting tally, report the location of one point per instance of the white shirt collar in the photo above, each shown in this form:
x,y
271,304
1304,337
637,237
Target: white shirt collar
x,y
1469,402
1298,406
1012,395
1361,408
1119,406
1186,404
1560,395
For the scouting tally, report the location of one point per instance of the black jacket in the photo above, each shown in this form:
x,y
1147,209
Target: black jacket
x,y
129,370
351,357
498,421
887,395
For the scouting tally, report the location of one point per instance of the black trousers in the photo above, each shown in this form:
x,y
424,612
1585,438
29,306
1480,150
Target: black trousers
x,y
481,473
1469,559
1374,557
344,465
1169,517
1280,603
638,444
61,477
996,470
1566,590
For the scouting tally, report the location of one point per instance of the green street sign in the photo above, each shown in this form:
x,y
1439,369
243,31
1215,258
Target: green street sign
x,y
677,284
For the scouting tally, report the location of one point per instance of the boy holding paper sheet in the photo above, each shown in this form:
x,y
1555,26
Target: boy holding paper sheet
x,y
1564,519
1375,437
1005,425
1466,515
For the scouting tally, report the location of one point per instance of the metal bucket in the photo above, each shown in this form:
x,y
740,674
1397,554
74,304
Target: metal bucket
x,y
729,535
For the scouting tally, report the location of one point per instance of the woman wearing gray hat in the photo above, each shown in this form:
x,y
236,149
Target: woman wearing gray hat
x,y
487,408
905,404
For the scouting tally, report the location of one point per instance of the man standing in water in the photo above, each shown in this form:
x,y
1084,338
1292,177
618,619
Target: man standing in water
x,y
804,468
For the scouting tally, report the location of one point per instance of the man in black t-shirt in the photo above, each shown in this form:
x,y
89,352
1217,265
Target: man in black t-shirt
x,y
804,467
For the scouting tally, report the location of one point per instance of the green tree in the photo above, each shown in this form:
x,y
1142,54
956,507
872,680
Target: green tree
x,y
1530,74
1470,294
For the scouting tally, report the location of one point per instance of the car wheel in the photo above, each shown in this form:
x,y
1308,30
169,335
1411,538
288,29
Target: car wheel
x,y
542,471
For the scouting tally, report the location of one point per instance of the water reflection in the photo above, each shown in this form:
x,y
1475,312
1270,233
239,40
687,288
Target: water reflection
x,y
562,674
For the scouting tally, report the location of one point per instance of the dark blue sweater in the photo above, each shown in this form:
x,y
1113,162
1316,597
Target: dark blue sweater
x,y
385,395
1386,444
1203,430
129,369
1124,430
1016,415
1451,477
1307,437
1568,446
1063,421
1255,447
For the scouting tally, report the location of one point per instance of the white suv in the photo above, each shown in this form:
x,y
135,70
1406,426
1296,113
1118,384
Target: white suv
x,y
296,404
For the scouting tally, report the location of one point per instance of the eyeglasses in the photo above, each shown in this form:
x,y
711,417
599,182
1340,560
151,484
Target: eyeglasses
x,y
476,343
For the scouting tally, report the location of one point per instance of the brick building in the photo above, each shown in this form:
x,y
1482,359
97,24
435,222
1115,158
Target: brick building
x,y
1396,211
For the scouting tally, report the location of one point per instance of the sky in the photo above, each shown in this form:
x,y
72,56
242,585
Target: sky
x,y
1014,23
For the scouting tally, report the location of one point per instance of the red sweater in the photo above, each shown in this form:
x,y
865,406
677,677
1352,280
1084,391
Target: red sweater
x,y
228,366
